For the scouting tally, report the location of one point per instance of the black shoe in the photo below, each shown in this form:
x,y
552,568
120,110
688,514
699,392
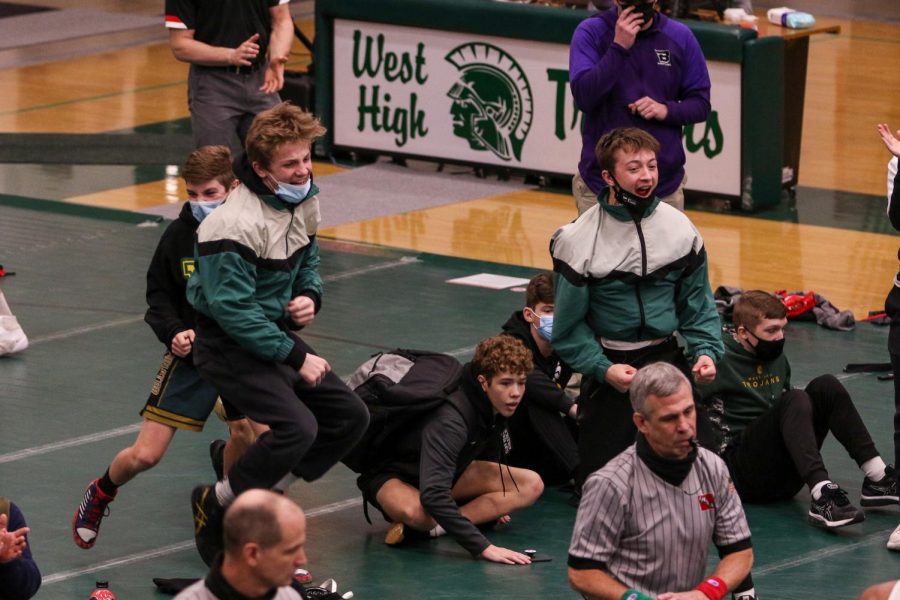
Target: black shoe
x,y
882,492
217,457
208,514
833,509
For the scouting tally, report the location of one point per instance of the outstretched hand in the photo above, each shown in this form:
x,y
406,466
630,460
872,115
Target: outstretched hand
x,y
890,141
274,79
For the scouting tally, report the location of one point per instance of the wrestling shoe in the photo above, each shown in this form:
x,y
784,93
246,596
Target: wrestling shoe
x,y
217,458
395,535
882,492
894,540
399,533
833,509
86,522
208,514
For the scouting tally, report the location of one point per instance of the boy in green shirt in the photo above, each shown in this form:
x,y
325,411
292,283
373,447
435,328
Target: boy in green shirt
x,y
771,434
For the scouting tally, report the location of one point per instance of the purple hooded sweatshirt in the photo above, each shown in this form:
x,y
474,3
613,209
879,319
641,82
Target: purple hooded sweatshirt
x,y
665,63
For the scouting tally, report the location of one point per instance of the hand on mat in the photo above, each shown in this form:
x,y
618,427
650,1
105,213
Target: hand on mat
x,y
619,376
183,342
302,310
504,555
314,369
243,55
649,109
892,143
704,370
274,79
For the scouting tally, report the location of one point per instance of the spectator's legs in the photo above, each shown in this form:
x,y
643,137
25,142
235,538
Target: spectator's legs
x,y
833,410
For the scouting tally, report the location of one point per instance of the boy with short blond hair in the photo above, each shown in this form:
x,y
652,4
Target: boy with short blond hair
x,y
257,283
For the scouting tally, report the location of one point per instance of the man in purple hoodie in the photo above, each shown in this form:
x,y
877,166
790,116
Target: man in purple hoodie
x,y
631,66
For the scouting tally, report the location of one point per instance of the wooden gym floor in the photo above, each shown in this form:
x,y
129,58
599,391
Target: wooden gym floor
x,y
80,248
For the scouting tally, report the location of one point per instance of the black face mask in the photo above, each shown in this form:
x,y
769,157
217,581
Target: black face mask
x,y
768,350
635,204
645,9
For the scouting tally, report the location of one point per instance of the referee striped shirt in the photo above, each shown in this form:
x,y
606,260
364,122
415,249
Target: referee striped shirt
x,y
653,536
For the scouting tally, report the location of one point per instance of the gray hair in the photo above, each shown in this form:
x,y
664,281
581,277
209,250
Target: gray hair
x,y
659,379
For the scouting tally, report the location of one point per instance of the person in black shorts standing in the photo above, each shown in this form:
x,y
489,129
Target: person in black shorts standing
x,y
179,398
237,50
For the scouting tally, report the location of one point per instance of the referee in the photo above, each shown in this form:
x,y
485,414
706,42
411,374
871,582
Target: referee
x,y
646,518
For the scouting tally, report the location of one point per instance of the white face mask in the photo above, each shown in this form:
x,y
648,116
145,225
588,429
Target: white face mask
x,y
293,194
201,210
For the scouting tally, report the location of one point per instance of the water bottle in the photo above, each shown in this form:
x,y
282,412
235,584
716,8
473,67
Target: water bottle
x,y
102,592
788,17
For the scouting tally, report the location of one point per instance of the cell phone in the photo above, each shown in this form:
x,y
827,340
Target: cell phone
x,y
536,556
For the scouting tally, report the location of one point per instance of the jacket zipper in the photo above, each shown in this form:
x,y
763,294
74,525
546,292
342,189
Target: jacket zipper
x,y
637,285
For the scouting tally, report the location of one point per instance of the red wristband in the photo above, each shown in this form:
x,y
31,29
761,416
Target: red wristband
x,y
713,588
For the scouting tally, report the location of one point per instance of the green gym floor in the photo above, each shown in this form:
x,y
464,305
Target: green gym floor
x,y
70,402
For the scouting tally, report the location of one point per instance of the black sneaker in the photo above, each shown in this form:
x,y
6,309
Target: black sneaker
x,y
882,492
833,509
217,458
208,514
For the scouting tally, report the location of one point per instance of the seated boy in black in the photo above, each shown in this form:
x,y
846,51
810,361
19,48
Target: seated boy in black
x,y
772,434
542,439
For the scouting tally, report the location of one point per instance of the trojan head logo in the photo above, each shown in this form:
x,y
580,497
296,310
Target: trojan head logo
x,y
492,104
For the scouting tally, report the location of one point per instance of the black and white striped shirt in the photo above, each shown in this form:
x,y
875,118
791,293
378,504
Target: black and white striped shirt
x,y
651,535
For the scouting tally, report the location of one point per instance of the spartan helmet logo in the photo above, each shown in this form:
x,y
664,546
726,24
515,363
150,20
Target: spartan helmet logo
x,y
492,104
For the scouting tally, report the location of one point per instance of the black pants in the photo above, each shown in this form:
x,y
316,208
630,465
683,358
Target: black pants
x,y
605,425
892,308
312,427
780,451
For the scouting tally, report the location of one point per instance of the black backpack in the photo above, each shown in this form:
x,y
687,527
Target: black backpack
x,y
399,388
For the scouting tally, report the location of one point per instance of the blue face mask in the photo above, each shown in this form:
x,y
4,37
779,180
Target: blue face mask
x,y
293,194
545,328
201,210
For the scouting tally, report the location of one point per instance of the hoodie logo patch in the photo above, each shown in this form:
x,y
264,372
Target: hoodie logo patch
x,y
188,267
663,58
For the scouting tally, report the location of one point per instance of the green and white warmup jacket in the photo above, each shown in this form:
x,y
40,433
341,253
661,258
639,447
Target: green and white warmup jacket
x,y
628,280
254,254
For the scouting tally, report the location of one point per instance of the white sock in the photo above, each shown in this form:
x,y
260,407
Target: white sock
x,y
874,468
437,531
816,490
285,482
224,493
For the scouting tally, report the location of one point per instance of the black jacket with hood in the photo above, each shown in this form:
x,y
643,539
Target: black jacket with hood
x,y
538,420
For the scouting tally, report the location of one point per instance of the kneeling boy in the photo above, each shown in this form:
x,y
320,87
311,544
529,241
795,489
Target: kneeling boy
x,y
437,479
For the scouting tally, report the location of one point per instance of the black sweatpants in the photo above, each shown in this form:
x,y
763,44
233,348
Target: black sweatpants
x,y
312,427
780,451
892,308
605,425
